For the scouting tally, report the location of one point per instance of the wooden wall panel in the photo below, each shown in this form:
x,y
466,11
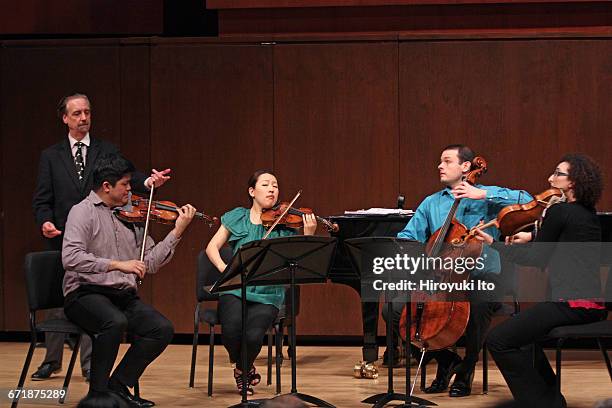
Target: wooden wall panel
x,y
336,137
426,17
135,111
2,286
34,79
211,122
521,104
351,123
130,17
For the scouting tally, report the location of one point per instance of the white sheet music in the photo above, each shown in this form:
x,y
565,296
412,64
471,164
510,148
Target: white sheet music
x,y
380,211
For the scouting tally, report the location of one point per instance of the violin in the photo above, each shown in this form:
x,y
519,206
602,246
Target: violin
x,y
520,217
164,212
438,324
292,217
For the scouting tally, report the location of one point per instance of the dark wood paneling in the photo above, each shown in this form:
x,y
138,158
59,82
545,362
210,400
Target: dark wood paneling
x,y
34,17
350,123
520,104
211,122
34,79
335,137
2,282
135,107
465,18
274,4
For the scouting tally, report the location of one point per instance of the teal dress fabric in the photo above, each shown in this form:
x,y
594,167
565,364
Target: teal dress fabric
x,y
242,230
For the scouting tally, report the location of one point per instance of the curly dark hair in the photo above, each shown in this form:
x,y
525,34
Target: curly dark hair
x,y
584,172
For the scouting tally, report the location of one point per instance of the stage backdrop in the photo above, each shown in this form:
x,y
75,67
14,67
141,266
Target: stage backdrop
x,y
353,123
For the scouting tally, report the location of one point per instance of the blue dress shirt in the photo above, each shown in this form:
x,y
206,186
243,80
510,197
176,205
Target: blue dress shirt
x,y
432,212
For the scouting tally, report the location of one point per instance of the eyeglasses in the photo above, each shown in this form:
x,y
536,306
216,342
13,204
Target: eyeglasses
x,y
558,173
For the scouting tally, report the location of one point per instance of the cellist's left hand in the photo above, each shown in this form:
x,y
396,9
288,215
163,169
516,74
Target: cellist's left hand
x,y
310,224
466,190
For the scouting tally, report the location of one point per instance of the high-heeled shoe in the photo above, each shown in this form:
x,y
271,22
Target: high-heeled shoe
x,y
443,377
240,385
254,377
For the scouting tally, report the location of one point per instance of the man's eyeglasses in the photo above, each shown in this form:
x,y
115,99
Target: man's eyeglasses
x,y
558,173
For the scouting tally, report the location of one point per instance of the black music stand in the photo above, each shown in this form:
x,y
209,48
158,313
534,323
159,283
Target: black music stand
x,y
279,261
364,248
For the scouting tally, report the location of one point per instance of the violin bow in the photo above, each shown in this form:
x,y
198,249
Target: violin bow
x,y
283,214
146,229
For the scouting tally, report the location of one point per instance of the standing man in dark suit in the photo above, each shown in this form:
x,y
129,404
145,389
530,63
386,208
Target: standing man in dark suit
x,y
65,179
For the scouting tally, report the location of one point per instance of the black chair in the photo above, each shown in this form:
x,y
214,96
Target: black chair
x,y
207,274
592,331
44,276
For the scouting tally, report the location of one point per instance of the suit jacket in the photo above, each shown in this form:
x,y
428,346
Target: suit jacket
x,y
58,187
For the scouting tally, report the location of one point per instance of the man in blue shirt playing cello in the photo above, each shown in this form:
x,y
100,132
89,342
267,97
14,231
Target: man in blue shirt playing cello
x,y
479,203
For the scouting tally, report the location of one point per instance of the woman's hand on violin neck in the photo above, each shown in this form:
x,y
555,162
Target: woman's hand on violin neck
x,y
310,224
483,236
186,214
466,190
158,178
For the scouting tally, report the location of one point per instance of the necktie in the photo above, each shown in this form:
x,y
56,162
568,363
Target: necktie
x,y
78,160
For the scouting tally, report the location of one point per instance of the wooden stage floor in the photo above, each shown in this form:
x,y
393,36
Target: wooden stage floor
x,y
325,372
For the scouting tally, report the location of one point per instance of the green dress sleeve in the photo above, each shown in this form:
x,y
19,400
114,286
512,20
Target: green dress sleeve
x,y
236,223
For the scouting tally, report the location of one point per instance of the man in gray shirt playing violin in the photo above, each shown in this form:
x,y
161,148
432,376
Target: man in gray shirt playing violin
x,y
100,254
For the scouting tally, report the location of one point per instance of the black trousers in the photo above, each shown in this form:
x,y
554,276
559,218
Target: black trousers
x,y
105,314
259,319
512,346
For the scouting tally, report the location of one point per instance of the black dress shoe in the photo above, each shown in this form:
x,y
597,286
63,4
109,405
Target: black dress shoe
x,y
124,393
443,376
462,386
45,371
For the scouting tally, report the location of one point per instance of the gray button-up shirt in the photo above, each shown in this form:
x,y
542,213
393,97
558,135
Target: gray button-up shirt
x,y
94,237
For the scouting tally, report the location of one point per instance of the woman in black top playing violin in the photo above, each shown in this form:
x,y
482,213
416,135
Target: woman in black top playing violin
x,y
568,243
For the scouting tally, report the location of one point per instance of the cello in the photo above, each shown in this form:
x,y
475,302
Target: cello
x,y
438,321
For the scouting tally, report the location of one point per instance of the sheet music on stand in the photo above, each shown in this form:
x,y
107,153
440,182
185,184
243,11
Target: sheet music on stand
x,y
380,211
